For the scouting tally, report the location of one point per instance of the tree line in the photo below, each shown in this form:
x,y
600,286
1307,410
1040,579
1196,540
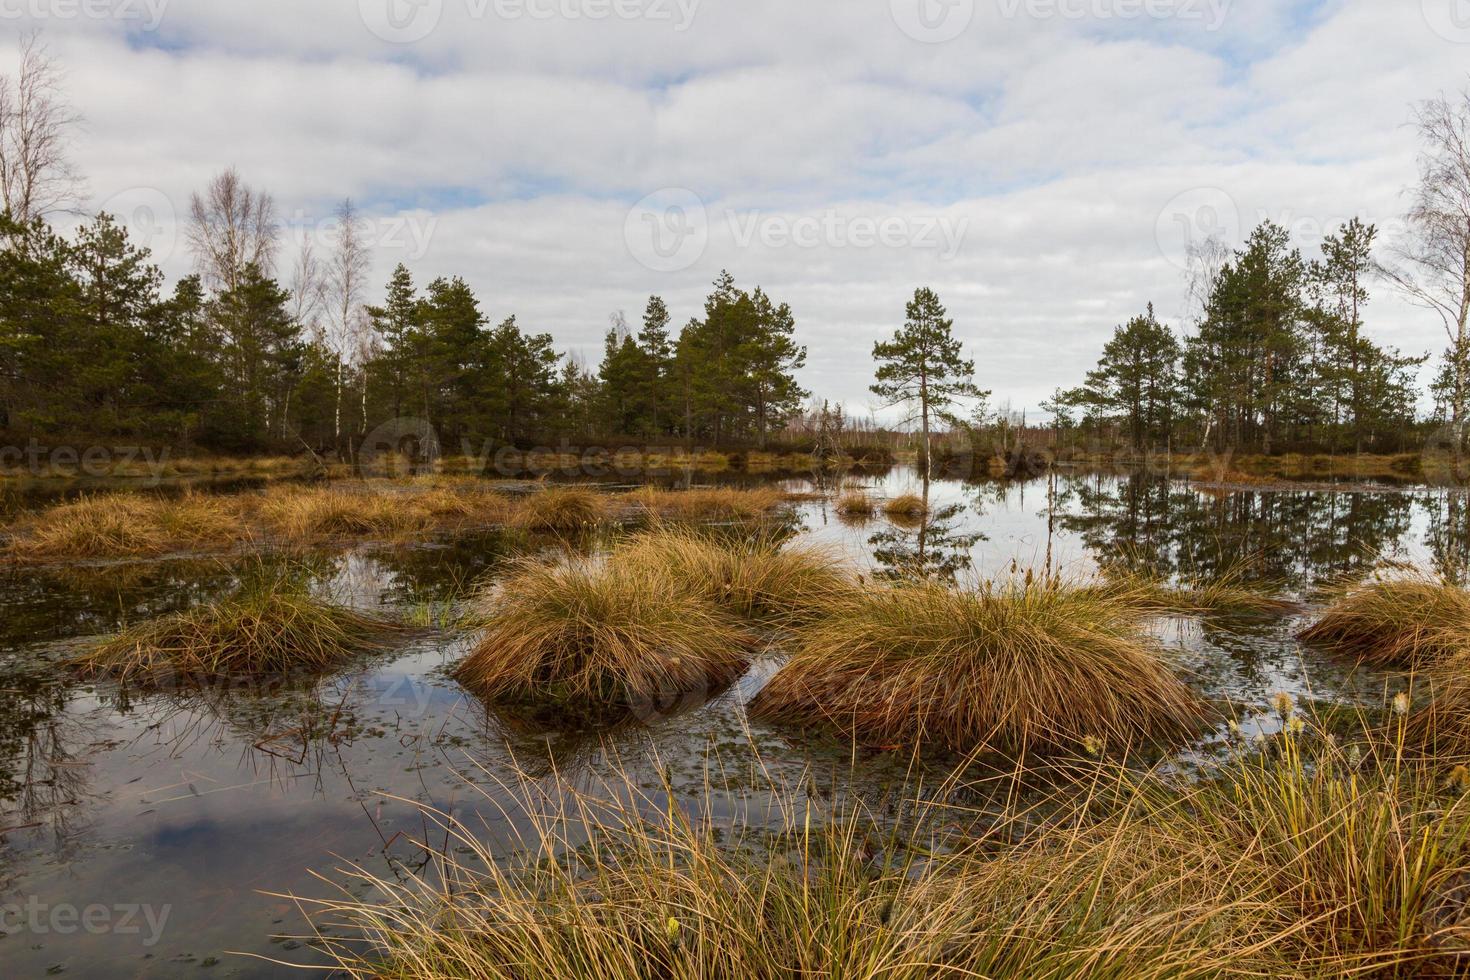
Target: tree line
x,y
244,357
230,360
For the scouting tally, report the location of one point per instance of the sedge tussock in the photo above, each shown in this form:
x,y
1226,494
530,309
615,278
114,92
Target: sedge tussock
x,y
1009,666
123,525
599,635
1303,861
707,503
271,626
856,504
561,510
1410,621
906,507
754,577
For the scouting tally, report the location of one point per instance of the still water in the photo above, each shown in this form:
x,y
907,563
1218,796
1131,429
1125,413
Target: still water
x,y
153,836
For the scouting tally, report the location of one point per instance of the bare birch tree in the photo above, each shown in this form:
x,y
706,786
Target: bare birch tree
x,y
36,178
1433,259
232,226
346,281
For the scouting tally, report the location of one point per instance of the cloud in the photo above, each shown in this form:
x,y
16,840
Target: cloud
x,y
1036,169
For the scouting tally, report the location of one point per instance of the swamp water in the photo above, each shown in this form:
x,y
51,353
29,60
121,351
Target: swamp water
x,y
140,835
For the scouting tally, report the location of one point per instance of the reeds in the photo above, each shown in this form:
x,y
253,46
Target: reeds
x,y
707,503
121,525
271,626
561,510
906,507
600,635
1010,666
125,525
856,505
1306,859
1410,621
755,577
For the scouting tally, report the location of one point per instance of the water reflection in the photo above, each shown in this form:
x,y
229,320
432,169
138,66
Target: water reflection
x,y
1174,530
204,798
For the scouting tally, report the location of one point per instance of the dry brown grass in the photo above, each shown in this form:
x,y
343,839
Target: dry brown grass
x,y
1011,666
270,626
856,504
906,507
1411,621
707,503
755,577
123,525
1306,860
560,510
591,634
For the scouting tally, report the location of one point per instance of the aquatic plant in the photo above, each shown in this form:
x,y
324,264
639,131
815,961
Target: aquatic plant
x,y
1301,860
707,503
560,510
906,507
271,625
126,525
593,634
753,576
1408,621
856,504
1012,666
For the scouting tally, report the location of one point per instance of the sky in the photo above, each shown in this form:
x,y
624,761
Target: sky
x,y
1043,165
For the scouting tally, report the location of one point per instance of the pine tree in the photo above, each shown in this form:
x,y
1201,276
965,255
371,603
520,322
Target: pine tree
x,y
922,365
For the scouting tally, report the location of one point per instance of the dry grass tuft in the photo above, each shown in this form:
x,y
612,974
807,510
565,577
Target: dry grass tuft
x,y
707,503
754,577
270,627
906,507
1299,861
1406,622
561,510
126,525
1011,666
856,504
600,635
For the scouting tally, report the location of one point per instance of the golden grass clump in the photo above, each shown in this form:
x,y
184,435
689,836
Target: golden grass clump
x,y
1304,860
1011,666
906,507
856,504
112,524
600,635
309,514
754,577
708,503
1407,622
271,626
561,509
122,525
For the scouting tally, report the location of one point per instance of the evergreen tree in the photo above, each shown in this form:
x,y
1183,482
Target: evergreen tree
x,y
922,365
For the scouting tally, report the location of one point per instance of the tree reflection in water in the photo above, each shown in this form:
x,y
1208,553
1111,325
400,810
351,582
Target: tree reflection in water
x,y
1294,538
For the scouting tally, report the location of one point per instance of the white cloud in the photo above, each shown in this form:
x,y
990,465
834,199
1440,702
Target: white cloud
x,y
517,145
